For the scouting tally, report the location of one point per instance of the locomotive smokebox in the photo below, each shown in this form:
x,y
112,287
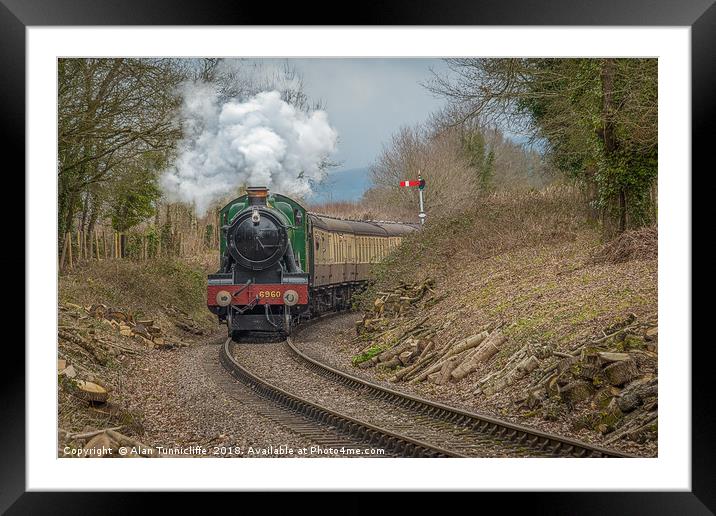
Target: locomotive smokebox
x,y
257,195
257,237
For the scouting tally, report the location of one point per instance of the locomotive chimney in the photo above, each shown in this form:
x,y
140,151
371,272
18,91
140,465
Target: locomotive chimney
x,y
257,195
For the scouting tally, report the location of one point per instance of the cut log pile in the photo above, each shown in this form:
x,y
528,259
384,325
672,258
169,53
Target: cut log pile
x,y
143,330
402,301
609,382
87,348
408,344
612,382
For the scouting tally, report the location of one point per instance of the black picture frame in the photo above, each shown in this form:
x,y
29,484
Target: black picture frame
x,y
16,15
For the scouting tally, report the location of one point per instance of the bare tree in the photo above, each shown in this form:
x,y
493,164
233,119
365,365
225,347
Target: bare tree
x,y
596,117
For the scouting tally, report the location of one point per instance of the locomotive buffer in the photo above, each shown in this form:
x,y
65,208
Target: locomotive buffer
x,y
420,183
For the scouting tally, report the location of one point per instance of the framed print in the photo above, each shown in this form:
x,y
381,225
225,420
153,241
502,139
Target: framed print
x,y
444,238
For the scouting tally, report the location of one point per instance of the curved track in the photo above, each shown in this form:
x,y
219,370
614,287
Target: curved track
x,y
458,432
358,431
539,441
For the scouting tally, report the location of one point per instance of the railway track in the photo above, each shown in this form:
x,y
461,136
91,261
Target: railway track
x,y
539,441
416,427
352,431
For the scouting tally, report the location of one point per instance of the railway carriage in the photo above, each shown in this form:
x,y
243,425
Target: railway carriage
x,y
280,263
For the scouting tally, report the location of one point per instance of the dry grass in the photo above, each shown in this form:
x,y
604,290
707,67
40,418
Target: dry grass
x,y
494,225
639,244
524,260
142,287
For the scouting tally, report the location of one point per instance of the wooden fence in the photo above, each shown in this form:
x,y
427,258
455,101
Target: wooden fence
x,y
83,246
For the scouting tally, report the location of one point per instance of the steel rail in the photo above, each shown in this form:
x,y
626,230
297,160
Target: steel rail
x,y
557,445
367,433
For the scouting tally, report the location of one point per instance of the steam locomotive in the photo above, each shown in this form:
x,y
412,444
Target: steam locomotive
x,y
280,263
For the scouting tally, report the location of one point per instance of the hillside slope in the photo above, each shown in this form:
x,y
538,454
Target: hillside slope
x,y
114,315
573,323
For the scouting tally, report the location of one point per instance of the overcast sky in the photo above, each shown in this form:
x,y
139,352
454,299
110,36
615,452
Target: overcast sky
x,y
367,100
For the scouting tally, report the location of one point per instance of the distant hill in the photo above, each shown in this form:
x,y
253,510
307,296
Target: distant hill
x,y
343,185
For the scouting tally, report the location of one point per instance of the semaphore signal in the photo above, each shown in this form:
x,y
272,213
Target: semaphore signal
x,y
420,183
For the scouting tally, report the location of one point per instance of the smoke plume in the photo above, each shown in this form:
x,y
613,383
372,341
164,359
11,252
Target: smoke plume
x,y
263,141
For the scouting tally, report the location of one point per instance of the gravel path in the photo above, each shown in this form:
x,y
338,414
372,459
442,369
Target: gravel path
x,y
275,363
187,403
330,342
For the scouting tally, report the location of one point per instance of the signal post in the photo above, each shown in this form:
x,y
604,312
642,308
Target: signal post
x,y
420,183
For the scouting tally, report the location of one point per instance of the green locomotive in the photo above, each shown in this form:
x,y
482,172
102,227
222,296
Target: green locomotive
x,y
280,263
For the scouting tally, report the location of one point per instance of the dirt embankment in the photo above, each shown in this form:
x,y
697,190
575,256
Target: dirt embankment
x,y
516,308
112,314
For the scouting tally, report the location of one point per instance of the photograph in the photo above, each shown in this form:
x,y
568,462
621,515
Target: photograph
x,y
357,257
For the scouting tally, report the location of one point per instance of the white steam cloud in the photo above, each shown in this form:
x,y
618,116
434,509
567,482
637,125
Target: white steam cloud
x,y
261,142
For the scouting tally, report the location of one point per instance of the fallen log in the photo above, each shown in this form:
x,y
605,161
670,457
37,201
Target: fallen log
x,y
396,350
609,358
621,372
468,343
576,391
419,367
407,371
448,367
405,357
428,348
521,370
91,391
635,423
479,355
450,351
389,364
435,365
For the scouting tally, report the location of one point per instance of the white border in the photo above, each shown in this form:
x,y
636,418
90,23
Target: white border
x,y
671,471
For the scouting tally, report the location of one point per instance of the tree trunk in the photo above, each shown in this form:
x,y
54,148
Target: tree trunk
x,y
608,134
623,222
85,211
69,215
92,221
